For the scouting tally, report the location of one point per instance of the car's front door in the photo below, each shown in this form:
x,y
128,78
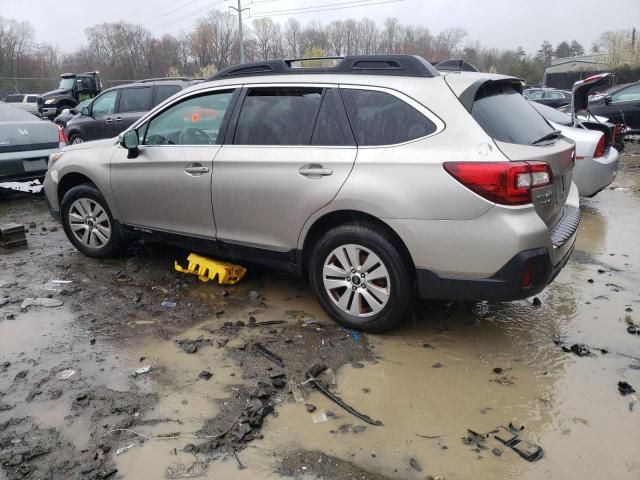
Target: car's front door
x,y
102,113
287,153
134,102
625,104
167,186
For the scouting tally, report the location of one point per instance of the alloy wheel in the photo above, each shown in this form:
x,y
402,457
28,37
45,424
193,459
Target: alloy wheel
x,y
89,223
356,280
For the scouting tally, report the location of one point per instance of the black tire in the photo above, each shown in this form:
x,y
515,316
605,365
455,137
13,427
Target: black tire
x,y
115,243
74,138
401,289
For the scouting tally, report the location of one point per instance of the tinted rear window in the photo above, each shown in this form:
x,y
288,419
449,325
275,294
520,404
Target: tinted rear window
x,y
329,127
552,114
135,99
506,116
378,118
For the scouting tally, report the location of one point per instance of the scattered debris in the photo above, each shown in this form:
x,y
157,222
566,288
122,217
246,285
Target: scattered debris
x,y
253,295
268,322
634,329
310,407
498,370
497,452
312,375
168,304
268,354
141,371
319,417
66,374
429,437
205,375
124,449
196,469
191,346
625,389
579,349
415,465
537,302
12,235
436,365
510,437
40,302
240,465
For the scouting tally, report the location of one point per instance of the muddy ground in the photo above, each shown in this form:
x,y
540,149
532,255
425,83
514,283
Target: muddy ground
x,y
208,403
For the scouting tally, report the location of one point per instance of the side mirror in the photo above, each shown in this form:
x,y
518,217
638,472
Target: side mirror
x,y
607,100
130,141
84,111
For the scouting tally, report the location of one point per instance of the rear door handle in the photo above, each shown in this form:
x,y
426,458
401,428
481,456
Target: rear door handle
x,y
108,120
118,119
315,171
196,169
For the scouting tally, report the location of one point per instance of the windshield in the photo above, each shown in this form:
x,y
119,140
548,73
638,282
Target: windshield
x,y
506,116
552,114
67,83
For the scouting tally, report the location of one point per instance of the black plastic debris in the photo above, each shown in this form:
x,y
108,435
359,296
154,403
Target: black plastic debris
x,y
312,375
268,354
205,375
511,438
415,465
536,301
625,389
634,329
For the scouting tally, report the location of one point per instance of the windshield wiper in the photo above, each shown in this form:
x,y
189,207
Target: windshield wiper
x,y
548,136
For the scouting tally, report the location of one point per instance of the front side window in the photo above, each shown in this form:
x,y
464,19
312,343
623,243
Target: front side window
x,y
631,94
379,118
135,99
278,116
194,121
105,104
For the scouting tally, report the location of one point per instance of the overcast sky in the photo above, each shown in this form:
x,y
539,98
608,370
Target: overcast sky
x,y
494,23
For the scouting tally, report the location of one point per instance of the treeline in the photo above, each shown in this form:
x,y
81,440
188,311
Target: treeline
x,y
125,51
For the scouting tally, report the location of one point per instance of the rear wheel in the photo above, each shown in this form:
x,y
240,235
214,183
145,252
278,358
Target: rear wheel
x,y
75,139
88,223
361,278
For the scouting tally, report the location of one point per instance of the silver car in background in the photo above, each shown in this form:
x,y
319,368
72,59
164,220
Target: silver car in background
x,y
379,179
596,162
26,142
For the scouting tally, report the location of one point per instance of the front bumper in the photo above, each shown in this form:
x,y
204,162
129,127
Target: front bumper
x,y
509,282
47,111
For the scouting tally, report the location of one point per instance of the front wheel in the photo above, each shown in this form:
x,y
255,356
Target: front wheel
x,y
88,223
361,278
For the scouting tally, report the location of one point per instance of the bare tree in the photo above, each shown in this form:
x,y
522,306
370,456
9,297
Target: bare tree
x,y
336,37
368,36
447,42
292,34
268,38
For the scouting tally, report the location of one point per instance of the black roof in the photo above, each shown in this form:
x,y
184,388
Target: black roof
x,y
398,65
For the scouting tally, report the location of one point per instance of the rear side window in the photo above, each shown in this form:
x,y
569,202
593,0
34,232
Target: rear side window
x,y
135,99
32,99
278,116
379,118
165,91
330,125
506,116
14,98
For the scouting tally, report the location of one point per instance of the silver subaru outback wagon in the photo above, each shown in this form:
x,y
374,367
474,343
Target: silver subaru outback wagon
x,y
379,178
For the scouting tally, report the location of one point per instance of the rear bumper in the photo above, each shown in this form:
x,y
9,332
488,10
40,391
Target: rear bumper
x,y
24,166
597,173
508,282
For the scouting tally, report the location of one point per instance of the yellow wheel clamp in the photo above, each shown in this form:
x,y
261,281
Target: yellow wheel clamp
x,y
207,269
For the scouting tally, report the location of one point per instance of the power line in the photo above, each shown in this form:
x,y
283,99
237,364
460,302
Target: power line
x,y
193,13
321,8
184,5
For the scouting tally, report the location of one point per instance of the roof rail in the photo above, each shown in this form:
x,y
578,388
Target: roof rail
x,y
159,79
398,65
452,65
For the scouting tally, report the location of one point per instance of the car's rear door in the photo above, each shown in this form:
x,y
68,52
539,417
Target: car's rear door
x,y
134,102
167,186
287,155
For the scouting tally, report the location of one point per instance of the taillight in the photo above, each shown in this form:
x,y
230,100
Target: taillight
x,y
600,148
507,183
62,137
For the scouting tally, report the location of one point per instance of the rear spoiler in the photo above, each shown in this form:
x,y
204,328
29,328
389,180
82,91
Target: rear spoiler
x,y
469,95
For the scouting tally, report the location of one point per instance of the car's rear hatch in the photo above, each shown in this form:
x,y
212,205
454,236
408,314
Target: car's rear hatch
x,y
523,135
21,131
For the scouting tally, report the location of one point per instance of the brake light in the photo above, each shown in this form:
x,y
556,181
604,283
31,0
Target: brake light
x,y
62,137
506,183
600,147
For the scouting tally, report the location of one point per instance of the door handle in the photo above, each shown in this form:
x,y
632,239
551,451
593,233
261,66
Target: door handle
x,y
108,120
315,171
196,169
118,119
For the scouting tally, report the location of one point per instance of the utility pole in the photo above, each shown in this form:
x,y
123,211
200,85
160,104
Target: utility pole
x,y
240,10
